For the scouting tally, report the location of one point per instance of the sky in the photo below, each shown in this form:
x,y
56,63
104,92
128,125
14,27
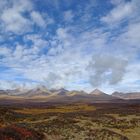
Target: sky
x,y
72,44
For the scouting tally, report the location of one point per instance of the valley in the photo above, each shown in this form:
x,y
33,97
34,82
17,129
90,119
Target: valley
x,y
79,121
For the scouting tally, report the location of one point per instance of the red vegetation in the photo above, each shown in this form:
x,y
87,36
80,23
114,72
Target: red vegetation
x,y
14,132
24,132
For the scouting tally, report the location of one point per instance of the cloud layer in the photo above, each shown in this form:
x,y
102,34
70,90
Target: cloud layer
x,y
74,45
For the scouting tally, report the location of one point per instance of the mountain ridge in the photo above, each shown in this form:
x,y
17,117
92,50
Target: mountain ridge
x,y
41,93
128,95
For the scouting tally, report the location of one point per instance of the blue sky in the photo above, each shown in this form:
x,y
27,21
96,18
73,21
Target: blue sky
x,y
73,44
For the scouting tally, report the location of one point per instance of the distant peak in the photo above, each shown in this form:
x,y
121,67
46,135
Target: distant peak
x,y
117,93
97,92
63,89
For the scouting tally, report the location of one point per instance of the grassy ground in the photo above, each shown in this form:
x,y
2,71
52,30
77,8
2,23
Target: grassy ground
x,y
71,122
59,109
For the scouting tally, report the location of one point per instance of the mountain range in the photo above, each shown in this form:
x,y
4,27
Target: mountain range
x,y
129,95
41,93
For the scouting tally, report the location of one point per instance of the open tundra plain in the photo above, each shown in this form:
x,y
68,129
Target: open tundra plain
x,y
76,121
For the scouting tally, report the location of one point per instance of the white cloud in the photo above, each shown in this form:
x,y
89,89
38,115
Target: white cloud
x,y
37,40
106,69
14,22
131,36
4,51
116,2
122,11
18,17
68,16
71,58
5,84
12,18
38,19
